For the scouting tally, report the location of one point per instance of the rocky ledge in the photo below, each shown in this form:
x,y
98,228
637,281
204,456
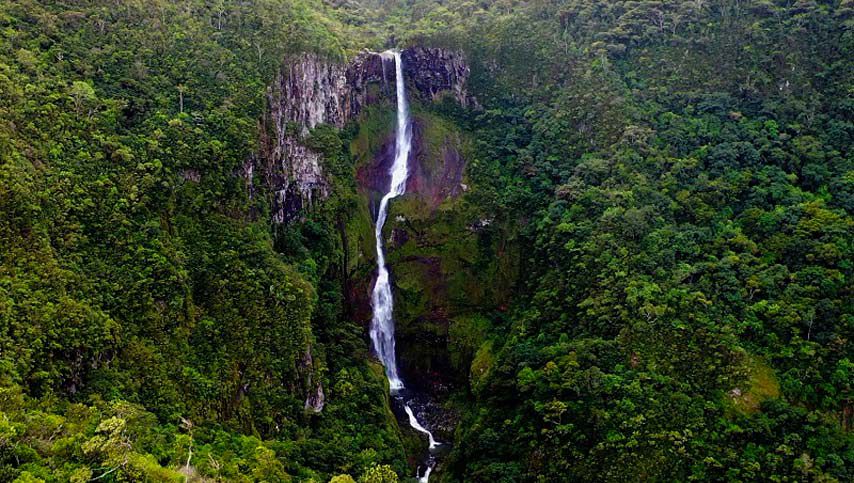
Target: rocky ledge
x,y
310,90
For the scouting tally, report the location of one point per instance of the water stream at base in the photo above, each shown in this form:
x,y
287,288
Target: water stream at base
x,y
382,324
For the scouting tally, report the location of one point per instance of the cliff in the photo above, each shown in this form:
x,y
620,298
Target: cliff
x,y
435,72
310,90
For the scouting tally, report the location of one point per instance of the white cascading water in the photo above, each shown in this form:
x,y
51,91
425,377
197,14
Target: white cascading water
x,y
382,324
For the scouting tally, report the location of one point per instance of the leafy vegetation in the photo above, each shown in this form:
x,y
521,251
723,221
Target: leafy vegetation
x,y
648,275
681,174
151,330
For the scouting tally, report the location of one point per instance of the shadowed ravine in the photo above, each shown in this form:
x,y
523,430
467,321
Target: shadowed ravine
x,y
382,301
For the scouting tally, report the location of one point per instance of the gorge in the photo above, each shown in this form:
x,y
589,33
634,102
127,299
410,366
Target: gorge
x,y
309,92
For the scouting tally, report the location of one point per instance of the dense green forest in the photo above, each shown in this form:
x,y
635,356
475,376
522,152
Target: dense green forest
x,y
658,288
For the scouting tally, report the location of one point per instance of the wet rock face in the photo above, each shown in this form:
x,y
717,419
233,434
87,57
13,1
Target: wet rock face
x,y
310,90
435,180
434,177
430,252
374,177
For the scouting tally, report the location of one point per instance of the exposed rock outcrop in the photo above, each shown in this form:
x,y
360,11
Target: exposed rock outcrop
x,y
441,269
435,72
311,90
315,400
436,176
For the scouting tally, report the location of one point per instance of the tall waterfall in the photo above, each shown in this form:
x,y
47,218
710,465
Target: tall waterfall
x,y
382,324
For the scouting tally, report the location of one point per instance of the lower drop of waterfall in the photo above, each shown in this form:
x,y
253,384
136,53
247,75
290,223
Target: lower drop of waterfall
x,y
382,301
425,478
413,421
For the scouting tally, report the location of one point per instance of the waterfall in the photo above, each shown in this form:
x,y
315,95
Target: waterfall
x,y
382,324
413,421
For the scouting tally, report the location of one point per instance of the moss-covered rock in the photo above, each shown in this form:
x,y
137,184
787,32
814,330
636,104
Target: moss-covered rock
x,y
443,253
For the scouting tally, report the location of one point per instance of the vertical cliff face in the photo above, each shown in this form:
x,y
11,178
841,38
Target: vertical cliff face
x,y
310,90
442,251
436,72
435,170
307,92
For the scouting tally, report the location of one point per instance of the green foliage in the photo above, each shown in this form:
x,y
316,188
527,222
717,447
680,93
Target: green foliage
x,y
762,384
379,474
680,176
140,285
648,277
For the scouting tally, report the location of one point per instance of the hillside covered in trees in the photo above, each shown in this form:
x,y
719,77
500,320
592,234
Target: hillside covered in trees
x,y
625,251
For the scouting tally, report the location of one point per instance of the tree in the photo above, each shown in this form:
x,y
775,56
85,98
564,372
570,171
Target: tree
x,y
83,95
379,474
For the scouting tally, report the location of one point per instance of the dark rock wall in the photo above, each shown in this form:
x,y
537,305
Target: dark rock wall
x,y
436,72
438,176
442,252
433,176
